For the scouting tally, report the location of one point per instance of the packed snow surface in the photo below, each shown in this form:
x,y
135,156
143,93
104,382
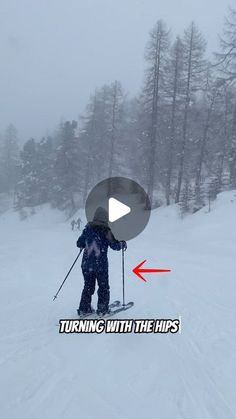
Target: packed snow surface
x,y
191,375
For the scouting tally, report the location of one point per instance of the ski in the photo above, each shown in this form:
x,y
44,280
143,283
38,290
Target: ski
x,y
119,309
113,305
115,308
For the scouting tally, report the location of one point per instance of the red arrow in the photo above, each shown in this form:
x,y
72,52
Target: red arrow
x,y
137,270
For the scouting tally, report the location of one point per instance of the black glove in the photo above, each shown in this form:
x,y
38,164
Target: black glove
x,y
123,244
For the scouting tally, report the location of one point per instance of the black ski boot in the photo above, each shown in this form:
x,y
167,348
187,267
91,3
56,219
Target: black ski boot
x,y
83,313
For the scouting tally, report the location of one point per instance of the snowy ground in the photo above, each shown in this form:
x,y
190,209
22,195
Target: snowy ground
x,y
189,375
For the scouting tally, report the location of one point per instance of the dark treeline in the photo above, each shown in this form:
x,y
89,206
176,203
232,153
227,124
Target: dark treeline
x,y
177,138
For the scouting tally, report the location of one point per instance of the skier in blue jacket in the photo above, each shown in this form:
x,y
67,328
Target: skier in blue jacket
x,y
95,239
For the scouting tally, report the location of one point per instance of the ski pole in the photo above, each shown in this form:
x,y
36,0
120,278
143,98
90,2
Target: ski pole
x,y
123,274
55,296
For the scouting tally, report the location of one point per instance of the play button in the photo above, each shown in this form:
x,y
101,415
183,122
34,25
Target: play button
x,y
117,210
126,205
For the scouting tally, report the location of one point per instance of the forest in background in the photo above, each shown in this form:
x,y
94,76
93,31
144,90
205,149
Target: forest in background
x,y
177,137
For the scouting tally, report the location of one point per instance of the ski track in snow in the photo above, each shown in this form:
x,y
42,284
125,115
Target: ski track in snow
x,y
183,376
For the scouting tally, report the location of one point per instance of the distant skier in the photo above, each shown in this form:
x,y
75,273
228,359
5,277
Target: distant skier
x,y
95,239
73,223
78,223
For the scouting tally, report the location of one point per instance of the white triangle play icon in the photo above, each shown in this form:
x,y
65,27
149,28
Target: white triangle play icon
x,y
117,210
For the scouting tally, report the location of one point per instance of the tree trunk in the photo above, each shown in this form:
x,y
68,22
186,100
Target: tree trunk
x,y
186,111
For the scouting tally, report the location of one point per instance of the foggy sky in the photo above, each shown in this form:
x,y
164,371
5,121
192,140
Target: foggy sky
x,y
54,53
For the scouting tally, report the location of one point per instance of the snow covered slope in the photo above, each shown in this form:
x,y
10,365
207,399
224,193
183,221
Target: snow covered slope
x,y
189,375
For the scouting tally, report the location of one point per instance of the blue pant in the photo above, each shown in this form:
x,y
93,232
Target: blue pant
x,y
89,288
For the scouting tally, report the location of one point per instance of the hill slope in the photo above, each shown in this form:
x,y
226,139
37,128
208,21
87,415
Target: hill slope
x,y
187,375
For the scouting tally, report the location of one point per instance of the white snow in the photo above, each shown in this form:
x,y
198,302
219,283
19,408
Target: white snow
x,y
190,375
